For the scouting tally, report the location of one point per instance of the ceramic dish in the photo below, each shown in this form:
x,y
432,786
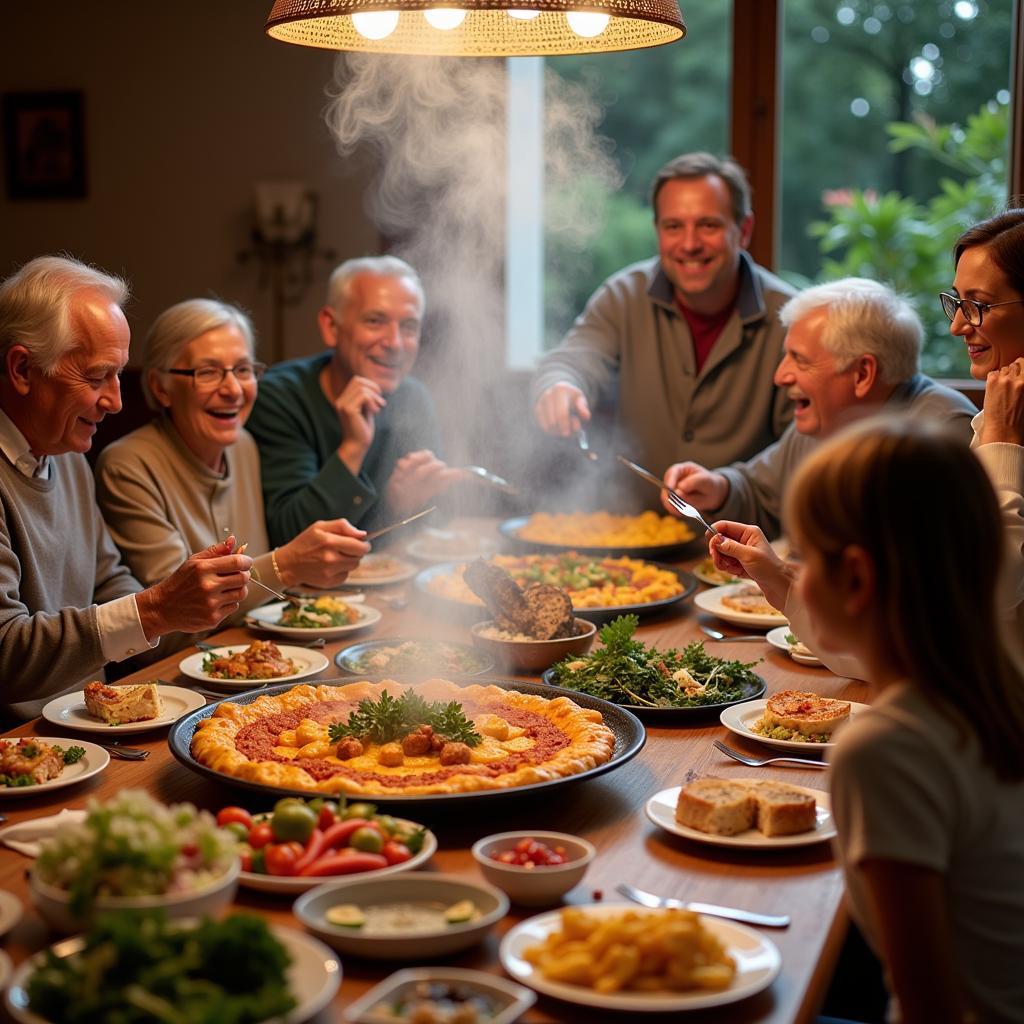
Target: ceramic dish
x,y
476,612
266,617
307,662
757,965
661,810
293,884
434,545
92,763
476,662
666,716
711,601
437,890
534,655
68,711
533,885
630,737
777,638
511,528
508,1000
380,571
706,572
741,717
314,975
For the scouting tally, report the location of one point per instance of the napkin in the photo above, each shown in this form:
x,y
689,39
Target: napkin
x,y
26,836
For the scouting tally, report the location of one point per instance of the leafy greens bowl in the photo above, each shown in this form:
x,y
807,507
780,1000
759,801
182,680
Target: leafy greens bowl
x,y
659,684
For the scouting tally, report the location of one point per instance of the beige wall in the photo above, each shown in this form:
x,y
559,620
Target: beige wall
x,y
187,104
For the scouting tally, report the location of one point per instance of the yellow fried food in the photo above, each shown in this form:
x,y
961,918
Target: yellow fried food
x,y
605,530
633,950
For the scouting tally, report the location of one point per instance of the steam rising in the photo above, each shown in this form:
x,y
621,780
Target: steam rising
x,y
435,128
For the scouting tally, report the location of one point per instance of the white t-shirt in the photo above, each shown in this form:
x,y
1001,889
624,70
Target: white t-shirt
x,y
905,788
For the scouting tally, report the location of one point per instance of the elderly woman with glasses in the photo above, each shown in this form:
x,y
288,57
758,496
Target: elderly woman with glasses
x,y
192,476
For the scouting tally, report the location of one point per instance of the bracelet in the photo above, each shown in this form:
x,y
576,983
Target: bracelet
x,y
273,562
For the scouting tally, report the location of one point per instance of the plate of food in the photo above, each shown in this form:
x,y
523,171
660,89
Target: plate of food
x,y
791,719
390,742
400,656
647,535
296,975
656,684
734,961
239,667
783,638
741,603
123,709
706,572
31,764
437,545
380,571
599,588
322,616
755,813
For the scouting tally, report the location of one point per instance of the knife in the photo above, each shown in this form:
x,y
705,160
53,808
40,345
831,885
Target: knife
x,y
647,899
394,526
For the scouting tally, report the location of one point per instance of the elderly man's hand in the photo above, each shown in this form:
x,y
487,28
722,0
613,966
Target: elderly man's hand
x,y
744,551
562,409
323,554
198,594
701,487
357,407
417,478
1004,405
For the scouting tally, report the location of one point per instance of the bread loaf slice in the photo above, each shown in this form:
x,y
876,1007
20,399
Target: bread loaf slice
x,y
782,809
716,806
118,705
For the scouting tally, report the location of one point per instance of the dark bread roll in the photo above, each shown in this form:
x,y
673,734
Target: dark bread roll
x,y
501,594
551,607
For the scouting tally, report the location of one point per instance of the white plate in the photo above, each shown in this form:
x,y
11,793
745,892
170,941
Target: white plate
x,y
10,914
450,546
777,638
757,965
711,601
370,574
286,884
661,809
69,711
92,763
706,572
266,618
308,663
313,976
740,717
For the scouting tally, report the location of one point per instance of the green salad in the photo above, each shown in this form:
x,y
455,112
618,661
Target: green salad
x,y
142,970
626,671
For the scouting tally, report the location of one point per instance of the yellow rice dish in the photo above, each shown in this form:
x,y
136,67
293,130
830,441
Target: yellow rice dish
x,y
605,530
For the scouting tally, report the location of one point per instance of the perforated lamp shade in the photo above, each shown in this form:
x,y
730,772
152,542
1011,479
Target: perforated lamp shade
x,y
490,28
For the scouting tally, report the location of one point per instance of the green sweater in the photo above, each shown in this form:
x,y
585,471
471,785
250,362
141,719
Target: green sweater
x,y
298,434
57,562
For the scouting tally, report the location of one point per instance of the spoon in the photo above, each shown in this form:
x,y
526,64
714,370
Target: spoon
x,y
743,638
584,444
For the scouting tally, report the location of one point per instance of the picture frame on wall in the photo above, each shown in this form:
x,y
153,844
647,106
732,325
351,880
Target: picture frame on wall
x,y
44,145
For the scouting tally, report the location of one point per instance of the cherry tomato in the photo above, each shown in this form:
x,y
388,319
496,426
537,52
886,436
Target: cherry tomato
x,y
367,839
238,830
359,810
532,853
328,814
293,821
260,835
281,858
395,852
227,815
245,858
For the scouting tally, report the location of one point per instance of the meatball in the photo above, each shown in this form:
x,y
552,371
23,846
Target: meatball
x,y
454,753
391,755
416,744
349,748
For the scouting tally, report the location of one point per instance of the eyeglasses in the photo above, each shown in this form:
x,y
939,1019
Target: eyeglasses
x,y
972,310
210,377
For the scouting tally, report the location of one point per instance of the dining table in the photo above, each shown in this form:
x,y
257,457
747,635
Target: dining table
x,y
803,882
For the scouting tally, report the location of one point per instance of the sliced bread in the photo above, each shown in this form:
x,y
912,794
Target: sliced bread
x,y
782,809
716,806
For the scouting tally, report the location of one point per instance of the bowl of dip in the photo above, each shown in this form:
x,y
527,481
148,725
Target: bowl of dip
x,y
516,650
400,917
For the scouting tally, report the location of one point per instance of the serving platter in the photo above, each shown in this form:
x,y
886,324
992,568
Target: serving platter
x,y
711,601
307,663
666,716
470,612
661,811
266,617
68,711
347,660
92,763
740,719
628,730
510,529
757,965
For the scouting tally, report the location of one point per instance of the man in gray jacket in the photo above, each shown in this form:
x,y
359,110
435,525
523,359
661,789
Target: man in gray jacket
x,y
685,343
68,605
851,350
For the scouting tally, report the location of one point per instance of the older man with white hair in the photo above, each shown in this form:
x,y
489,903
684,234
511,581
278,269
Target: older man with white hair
x,y
851,349
67,604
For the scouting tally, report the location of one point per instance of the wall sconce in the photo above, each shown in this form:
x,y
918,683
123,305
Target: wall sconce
x,y
283,242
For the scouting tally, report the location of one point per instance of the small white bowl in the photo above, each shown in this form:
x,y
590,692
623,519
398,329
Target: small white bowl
x,y
54,904
534,887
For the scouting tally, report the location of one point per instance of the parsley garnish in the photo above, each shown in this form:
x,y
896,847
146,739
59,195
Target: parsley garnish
x,y
390,718
73,755
30,750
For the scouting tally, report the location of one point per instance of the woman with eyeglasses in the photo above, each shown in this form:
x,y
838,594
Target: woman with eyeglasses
x,y
192,476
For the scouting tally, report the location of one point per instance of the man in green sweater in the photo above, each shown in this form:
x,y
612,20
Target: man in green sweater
x,y
68,606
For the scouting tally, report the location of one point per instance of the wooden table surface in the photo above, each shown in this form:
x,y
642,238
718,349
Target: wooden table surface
x,y
609,811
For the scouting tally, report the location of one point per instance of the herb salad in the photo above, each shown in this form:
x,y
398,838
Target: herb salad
x,y
628,672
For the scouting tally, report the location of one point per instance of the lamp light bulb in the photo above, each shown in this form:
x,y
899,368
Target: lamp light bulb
x,y
587,23
521,15
375,24
445,18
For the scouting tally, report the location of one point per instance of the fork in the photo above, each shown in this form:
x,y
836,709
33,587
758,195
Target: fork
x,y
124,753
716,634
491,478
584,444
684,508
759,762
648,899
